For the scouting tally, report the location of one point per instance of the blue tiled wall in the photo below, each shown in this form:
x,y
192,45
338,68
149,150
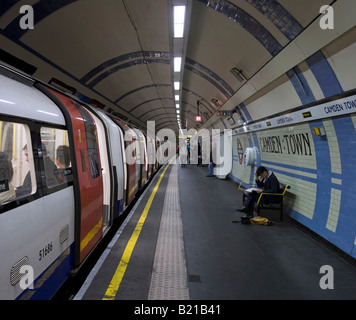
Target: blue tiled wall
x,y
323,194
323,183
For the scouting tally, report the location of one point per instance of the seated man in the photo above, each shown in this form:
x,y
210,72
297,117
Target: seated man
x,y
63,157
267,182
7,191
26,188
63,163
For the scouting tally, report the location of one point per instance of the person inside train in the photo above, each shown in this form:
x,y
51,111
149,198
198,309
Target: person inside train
x,y
63,157
26,187
7,191
49,166
62,162
266,182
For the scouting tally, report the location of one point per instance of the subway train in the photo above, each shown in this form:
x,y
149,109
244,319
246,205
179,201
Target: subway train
x,y
67,171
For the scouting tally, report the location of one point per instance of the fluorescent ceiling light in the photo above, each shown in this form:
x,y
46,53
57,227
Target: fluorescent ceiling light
x,y
177,106
179,14
178,111
177,64
176,85
179,17
238,74
178,30
177,97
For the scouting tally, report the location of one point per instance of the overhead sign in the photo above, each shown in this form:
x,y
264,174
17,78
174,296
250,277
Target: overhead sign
x,y
329,109
223,113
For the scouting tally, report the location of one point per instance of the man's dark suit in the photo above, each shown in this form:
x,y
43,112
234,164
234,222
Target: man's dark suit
x,y
270,185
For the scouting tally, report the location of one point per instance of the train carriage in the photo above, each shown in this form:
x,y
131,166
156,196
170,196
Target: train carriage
x,y
37,204
67,171
129,161
116,151
85,154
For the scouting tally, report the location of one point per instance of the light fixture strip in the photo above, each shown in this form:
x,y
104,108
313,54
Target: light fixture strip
x,y
177,64
179,12
179,18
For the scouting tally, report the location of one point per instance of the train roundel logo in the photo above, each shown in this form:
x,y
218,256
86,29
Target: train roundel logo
x,y
240,151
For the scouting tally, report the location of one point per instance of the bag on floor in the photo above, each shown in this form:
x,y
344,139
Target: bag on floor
x,y
261,220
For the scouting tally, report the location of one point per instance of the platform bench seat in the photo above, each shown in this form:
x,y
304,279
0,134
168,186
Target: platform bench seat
x,y
271,206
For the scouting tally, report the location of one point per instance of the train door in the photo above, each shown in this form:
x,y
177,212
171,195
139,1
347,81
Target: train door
x,y
150,155
129,160
159,152
89,219
136,146
121,169
116,147
145,157
105,170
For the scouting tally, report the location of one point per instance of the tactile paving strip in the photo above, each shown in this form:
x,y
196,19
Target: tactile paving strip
x,y
169,275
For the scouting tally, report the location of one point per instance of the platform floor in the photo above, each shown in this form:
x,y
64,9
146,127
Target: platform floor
x,y
180,242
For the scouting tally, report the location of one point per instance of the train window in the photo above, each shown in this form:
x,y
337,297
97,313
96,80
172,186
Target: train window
x,y
56,156
90,132
17,173
93,152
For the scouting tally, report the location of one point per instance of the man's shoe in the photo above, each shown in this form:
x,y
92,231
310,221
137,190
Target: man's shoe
x,y
248,215
243,209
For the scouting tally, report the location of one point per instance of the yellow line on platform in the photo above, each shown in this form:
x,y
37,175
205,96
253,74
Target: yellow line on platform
x,y
120,270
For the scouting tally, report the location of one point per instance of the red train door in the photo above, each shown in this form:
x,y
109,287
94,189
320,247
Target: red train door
x,y
89,223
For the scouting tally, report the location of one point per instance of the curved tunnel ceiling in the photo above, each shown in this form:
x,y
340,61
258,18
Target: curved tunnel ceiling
x,y
121,52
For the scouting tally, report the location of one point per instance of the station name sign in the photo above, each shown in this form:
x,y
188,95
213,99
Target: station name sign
x,y
330,109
